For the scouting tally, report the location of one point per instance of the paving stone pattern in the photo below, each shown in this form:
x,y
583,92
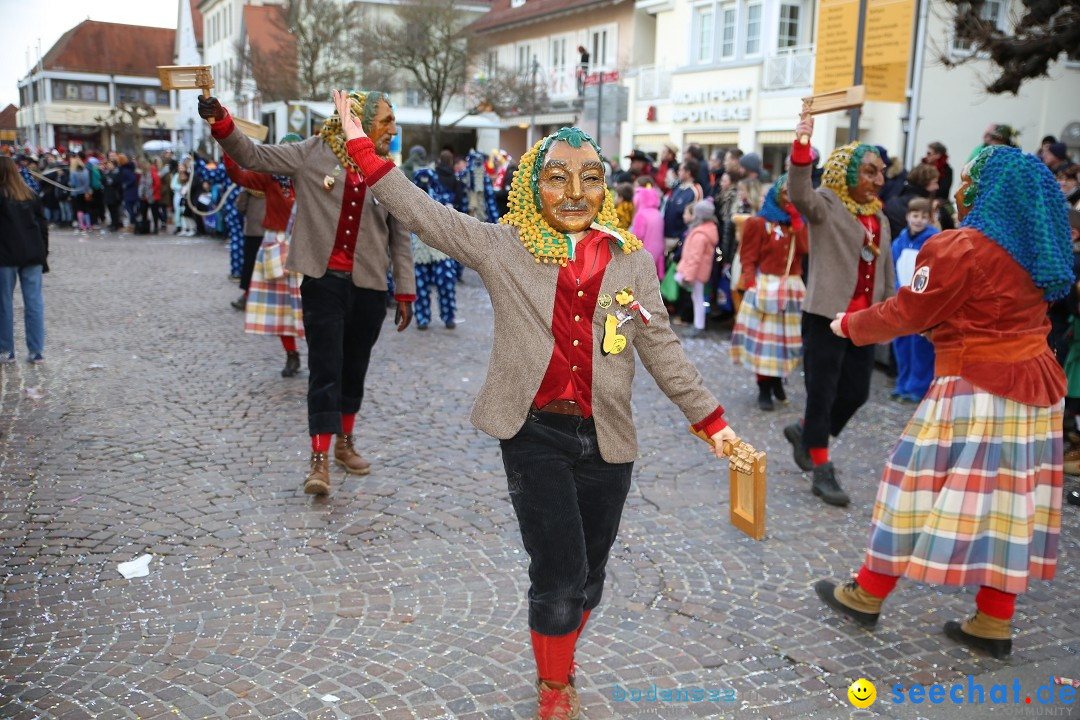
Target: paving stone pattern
x,y
157,426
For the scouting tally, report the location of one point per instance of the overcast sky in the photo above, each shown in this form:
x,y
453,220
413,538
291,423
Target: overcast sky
x,y
28,22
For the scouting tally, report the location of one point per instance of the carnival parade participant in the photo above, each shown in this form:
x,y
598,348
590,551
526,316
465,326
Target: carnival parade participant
x,y
273,303
434,267
343,243
767,332
573,298
850,269
971,495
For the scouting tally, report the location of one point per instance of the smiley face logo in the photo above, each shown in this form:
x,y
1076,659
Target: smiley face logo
x,y
862,693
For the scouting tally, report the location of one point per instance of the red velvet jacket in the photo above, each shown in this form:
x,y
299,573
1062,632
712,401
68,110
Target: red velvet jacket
x,y
986,317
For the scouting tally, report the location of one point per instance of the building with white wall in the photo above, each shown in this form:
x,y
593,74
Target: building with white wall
x,y
731,73
92,68
539,39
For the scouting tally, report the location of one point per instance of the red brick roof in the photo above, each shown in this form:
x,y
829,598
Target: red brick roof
x,y
502,15
103,47
196,20
7,118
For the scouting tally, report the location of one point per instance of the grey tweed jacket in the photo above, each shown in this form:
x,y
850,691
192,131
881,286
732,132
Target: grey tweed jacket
x,y
523,298
836,238
382,239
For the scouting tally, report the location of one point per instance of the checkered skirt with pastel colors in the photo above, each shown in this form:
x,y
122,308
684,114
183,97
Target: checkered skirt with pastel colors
x,y
273,305
972,493
768,340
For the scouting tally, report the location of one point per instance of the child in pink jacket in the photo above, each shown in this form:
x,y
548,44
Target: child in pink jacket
x,y
699,250
648,223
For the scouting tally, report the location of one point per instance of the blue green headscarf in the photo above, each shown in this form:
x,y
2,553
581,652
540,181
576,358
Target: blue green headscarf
x,y
1016,202
770,208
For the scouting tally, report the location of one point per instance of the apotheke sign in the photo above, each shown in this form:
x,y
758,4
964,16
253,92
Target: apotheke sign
x,y
712,105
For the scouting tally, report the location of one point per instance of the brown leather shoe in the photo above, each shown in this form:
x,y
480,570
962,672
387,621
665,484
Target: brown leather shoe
x,y
557,703
318,478
346,456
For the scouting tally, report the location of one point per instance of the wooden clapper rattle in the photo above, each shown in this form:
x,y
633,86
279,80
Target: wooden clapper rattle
x,y
198,77
845,99
747,473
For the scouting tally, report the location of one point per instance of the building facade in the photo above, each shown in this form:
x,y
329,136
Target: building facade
x,y
738,72
538,41
93,68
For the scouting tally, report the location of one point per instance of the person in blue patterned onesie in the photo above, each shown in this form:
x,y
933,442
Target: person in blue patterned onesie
x,y
234,220
431,266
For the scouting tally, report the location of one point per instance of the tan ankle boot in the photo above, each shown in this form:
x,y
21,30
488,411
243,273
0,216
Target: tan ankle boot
x,y
317,481
345,455
851,601
556,703
983,632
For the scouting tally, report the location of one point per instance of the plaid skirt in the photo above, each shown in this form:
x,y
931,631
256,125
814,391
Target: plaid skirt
x,y
273,305
972,493
768,332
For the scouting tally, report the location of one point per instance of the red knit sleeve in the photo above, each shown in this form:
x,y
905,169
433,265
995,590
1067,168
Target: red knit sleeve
x,y
362,152
222,128
800,154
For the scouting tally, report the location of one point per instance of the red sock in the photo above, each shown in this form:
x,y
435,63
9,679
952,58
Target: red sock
x,y
554,655
321,442
819,456
288,342
995,603
347,423
877,584
577,635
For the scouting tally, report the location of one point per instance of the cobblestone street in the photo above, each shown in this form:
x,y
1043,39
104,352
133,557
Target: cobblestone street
x,y
157,426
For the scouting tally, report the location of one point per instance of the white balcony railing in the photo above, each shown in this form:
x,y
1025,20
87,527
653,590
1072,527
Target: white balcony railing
x,y
790,68
654,83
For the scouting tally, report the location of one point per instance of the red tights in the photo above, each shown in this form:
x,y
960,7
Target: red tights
x,y
321,442
988,600
555,653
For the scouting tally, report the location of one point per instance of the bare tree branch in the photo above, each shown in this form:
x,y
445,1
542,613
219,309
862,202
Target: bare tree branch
x,y
1043,33
426,42
125,123
507,92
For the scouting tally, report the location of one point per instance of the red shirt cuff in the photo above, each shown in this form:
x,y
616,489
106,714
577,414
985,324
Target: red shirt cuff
x,y
801,154
222,128
362,151
404,298
712,424
844,324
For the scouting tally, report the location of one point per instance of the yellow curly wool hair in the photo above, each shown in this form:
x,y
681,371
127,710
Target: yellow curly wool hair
x,y
545,242
838,176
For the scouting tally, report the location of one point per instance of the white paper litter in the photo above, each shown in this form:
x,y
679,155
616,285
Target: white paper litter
x,y
95,366
329,698
35,393
139,567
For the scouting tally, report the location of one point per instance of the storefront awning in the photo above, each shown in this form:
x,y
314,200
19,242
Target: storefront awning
x,y
712,138
775,137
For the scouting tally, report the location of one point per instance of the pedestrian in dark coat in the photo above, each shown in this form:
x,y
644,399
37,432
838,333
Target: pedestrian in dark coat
x,y
24,247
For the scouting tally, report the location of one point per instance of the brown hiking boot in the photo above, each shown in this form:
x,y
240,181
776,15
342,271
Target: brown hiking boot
x,y
317,481
851,601
345,455
983,632
556,703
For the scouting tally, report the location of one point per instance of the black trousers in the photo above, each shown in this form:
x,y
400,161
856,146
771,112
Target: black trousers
x,y
251,249
837,380
342,323
568,502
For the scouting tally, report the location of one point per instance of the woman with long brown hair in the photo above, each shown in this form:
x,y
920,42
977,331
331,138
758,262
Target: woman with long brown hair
x,y
24,247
